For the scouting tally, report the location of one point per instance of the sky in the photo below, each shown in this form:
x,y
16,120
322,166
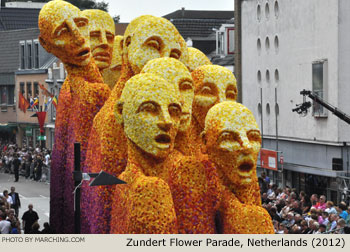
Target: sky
x,y
130,9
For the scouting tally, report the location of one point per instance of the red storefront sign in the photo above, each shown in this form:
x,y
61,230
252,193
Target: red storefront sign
x,y
268,159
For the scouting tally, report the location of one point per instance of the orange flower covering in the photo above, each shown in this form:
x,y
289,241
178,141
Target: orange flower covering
x,y
82,95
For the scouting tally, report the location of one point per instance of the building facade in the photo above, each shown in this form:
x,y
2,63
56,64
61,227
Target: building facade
x,y
288,46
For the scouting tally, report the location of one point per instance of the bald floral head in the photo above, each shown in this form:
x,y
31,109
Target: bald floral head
x,y
212,84
177,74
233,141
150,38
101,29
150,110
64,32
196,59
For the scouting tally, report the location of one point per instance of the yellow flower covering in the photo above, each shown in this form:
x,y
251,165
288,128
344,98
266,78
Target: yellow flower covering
x,y
196,59
150,37
112,73
150,111
232,139
101,29
64,33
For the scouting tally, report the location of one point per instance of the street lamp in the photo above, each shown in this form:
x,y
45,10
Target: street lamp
x,y
102,178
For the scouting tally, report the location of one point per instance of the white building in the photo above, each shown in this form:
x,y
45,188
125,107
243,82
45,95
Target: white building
x,y
288,46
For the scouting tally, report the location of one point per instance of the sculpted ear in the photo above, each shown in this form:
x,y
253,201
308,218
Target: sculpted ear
x,y
204,142
44,44
118,112
121,44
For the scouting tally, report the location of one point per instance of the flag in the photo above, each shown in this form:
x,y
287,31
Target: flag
x,y
23,103
54,101
45,104
35,102
41,118
45,91
31,102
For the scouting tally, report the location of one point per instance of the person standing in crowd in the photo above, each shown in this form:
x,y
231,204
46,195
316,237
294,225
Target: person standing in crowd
x,y
5,225
38,168
16,202
8,199
322,203
29,218
16,163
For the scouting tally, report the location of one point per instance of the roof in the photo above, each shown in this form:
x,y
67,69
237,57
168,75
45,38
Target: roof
x,y
198,28
18,18
225,60
120,28
198,24
9,47
200,14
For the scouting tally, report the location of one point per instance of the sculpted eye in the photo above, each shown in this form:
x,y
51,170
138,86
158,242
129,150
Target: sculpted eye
x,y
254,136
95,34
185,85
174,110
175,53
110,37
206,90
80,22
153,43
231,93
61,31
148,107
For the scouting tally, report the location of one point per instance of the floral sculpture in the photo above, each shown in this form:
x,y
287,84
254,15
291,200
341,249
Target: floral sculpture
x,y
147,38
150,111
112,73
232,140
196,59
64,33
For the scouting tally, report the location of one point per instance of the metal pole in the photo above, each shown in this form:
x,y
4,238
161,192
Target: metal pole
x,y
238,49
77,191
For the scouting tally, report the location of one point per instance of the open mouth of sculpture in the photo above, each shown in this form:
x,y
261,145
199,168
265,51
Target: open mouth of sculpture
x,y
163,139
83,53
246,167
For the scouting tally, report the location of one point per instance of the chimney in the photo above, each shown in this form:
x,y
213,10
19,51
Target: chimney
x,y
183,11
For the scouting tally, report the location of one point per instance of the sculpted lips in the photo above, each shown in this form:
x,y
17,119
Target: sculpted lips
x,y
103,56
163,139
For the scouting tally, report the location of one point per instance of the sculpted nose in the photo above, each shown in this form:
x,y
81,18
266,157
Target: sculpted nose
x,y
165,122
78,38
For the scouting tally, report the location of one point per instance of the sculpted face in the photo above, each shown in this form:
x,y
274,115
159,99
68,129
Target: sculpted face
x,y
64,32
196,59
213,84
151,114
177,74
112,74
102,29
153,38
233,141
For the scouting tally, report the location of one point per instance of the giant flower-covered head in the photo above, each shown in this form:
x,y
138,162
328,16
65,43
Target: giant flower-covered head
x,y
177,74
64,32
212,84
233,140
150,111
152,37
196,58
101,29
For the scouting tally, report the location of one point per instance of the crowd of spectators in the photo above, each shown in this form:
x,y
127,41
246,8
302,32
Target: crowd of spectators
x,y
9,219
32,163
299,213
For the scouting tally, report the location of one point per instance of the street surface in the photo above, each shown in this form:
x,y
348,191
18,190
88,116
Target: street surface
x,y
37,193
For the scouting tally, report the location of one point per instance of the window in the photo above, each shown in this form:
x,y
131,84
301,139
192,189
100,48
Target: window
x,y
22,89
221,43
11,95
29,52
4,95
36,89
36,55
22,56
319,81
29,91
